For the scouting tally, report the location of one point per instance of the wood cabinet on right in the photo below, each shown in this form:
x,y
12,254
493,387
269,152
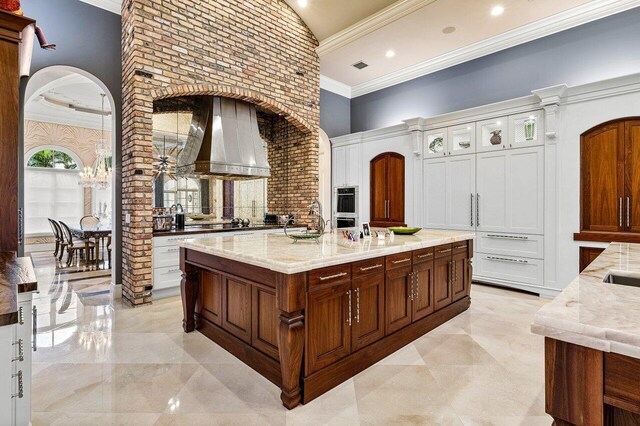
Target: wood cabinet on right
x,y
610,182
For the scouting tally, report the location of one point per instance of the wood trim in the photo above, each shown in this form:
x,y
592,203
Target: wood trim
x,y
622,404
607,237
331,376
588,255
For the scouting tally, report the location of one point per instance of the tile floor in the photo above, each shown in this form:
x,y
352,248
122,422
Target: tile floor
x,y
102,363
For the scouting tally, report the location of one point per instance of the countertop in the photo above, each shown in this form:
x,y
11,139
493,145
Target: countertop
x,y
594,314
279,253
16,276
213,228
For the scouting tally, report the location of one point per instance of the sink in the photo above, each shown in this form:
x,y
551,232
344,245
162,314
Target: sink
x,y
622,278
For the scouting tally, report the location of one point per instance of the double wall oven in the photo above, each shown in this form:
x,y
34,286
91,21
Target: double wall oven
x,y
346,209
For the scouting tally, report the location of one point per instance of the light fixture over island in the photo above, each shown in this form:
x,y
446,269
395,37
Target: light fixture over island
x,y
310,316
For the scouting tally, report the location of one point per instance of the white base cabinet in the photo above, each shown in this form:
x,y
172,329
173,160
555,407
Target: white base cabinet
x,y
508,269
7,380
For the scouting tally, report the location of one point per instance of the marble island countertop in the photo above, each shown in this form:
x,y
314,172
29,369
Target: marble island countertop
x,y
16,276
279,253
594,314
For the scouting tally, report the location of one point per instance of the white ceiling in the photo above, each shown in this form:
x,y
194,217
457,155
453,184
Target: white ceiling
x,y
55,96
327,17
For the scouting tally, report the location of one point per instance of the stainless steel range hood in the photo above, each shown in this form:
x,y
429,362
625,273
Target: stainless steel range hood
x,y
224,141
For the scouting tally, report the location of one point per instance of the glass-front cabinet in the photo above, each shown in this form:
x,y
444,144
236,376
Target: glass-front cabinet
x,y
492,134
436,143
462,139
526,129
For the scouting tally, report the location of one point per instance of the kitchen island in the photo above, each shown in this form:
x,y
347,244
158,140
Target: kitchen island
x,y
592,343
309,316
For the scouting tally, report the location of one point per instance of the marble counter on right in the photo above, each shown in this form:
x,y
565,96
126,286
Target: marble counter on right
x,y
594,314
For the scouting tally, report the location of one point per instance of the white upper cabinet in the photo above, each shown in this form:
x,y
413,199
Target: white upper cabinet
x,y
526,129
510,191
492,134
462,139
347,165
435,143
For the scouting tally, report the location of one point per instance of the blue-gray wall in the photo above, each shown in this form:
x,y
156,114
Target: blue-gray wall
x,y
335,114
599,50
87,38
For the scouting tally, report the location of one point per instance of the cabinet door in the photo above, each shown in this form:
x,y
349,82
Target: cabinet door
x,y
526,129
379,189
492,134
328,322
264,333
462,139
367,310
602,170
7,353
491,197
395,189
461,188
339,166
435,143
210,297
435,193
236,308
422,290
397,299
460,281
353,165
632,175
525,190
442,282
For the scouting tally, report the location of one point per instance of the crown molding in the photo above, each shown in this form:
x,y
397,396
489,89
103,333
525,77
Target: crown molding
x,y
594,10
378,20
335,86
114,6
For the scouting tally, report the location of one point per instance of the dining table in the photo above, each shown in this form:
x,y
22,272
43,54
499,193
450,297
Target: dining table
x,y
98,234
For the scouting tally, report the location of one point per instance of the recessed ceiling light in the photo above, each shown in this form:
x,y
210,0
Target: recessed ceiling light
x,y
303,3
390,54
448,30
497,10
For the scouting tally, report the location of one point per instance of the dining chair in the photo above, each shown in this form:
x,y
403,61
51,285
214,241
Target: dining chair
x,y
56,236
109,250
75,246
63,242
89,223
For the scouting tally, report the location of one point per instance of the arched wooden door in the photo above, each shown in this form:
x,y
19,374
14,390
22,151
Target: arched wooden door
x,y
387,190
610,180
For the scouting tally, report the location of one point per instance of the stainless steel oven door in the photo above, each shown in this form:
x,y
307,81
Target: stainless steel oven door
x,y
346,222
346,201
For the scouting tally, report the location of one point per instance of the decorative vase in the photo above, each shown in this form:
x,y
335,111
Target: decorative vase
x,y
496,138
529,128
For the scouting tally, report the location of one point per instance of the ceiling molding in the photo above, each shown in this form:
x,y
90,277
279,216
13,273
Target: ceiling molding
x,y
370,24
335,86
580,15
114,6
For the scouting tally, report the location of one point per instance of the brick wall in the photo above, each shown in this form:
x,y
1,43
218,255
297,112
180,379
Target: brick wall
x,y
257,50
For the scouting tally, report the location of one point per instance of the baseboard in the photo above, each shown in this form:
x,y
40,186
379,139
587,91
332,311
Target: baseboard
x,y
544,292
166,292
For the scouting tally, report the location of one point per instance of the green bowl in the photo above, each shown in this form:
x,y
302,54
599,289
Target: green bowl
x,y
304,236
197,217
403,230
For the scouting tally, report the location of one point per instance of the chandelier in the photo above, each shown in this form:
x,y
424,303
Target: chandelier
x,y
99,175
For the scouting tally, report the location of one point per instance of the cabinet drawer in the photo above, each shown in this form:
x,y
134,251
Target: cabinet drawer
x,y
511,244
166,277
443,250
368,267
508,268
459,247
170,241
400,260
621,378
423,255
330,275
166,256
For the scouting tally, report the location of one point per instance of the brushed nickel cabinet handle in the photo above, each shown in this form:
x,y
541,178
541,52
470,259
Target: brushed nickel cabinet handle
x,y
416,281
20,393
34,312
471,212
510,237
444,251
349,316
504,259
20,357
21,316
461,247
401,261
620,213
369,268
477,210
358,305
330,277
628,214
422,256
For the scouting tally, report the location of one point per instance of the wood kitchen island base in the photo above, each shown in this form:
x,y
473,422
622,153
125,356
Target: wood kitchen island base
x,y
309,331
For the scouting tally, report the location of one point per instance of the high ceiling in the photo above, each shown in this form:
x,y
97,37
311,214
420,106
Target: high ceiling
x,y
327,17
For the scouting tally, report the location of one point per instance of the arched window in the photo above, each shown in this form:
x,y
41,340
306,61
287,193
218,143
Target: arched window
x,y
51,189
184,191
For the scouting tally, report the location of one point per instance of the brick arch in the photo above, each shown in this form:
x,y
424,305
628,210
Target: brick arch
x,y
235,92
